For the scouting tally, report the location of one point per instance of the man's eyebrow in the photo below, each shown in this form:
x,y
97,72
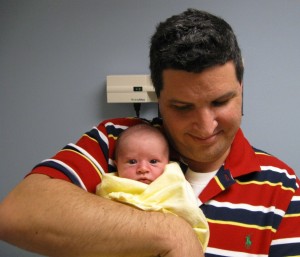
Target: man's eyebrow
x,y
227,95
175,101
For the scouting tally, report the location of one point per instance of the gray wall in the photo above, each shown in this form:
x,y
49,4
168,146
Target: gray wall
x,y
55,55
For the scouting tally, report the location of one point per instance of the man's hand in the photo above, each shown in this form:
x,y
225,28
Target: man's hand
x,y
181,240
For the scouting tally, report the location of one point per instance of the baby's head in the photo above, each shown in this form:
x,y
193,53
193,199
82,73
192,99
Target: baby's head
x,y
141,153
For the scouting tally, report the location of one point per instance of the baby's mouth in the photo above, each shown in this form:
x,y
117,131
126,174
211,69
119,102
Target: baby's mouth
x,y
144,180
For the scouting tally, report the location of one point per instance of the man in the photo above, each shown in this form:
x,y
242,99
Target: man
x,y
250,198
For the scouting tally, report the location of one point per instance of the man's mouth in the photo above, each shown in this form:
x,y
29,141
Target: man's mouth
x,y
204,140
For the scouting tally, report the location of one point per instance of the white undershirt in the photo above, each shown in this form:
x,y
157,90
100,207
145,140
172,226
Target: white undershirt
x,y
199,180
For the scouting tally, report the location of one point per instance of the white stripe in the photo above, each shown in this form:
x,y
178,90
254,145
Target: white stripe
x,y
103,137
116,126
85,153
286,241
296,198
231,253
249,207
111,162
69,169
276,169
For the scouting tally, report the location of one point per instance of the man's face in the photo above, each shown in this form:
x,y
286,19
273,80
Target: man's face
x,y
201,114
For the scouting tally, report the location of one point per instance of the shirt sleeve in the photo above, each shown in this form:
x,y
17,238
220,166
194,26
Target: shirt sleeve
x,y
287,237
84,163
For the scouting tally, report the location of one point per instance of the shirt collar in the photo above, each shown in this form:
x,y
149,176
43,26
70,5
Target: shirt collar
x,y
241,159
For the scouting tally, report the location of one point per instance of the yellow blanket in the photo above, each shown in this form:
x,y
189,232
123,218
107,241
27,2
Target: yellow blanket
x,y
169,193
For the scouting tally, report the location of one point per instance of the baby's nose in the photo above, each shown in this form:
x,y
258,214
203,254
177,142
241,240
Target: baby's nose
x,y
143,168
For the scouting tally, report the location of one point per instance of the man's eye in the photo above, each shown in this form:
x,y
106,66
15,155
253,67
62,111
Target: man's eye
x,y
154,161
220,103
182,107
132,161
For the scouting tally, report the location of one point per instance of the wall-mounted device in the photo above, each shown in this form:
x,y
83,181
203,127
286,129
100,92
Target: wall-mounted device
x,y
130,89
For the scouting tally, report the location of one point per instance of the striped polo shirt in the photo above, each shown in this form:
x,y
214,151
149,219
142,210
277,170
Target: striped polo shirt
x,y
252,204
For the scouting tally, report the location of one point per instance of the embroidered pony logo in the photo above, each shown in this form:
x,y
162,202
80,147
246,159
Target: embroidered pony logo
x,y
248,241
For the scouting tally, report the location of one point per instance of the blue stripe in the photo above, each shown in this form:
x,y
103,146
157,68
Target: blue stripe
x,y
294,208
243,216
260,151
94,133
57,166
69,147
211,255
111,168
270,176
292,249
225,177
112,130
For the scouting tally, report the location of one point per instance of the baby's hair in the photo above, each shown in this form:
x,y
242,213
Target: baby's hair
x,y
138,128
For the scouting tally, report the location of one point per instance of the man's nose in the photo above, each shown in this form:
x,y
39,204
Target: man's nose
x,y
205,122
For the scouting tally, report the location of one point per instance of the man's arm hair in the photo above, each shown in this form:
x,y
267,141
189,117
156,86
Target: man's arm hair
x,y
56,218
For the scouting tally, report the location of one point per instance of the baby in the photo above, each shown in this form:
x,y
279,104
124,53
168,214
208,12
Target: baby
x,y
141,153
146,180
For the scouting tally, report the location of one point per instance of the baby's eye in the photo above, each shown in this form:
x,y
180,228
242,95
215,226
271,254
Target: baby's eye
x,y
153,161
132,161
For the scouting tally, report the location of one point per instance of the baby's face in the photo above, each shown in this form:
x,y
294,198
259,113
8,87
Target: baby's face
x,y
143,157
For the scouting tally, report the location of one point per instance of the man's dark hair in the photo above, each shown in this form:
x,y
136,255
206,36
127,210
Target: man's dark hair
x,y
193,41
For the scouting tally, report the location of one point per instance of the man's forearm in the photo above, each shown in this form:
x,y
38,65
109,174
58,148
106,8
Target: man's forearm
x,y
56,218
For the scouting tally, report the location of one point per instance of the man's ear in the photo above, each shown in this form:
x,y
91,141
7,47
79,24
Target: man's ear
x,y
242,87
